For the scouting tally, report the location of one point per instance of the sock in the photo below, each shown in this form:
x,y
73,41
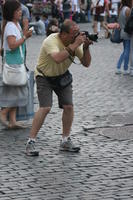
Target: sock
x,y
64,139
31,139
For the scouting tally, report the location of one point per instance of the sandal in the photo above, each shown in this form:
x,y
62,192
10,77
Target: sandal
x,y
3,122
16,126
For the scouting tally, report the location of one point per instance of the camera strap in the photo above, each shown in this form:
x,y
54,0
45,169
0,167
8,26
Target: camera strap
x,y
71,58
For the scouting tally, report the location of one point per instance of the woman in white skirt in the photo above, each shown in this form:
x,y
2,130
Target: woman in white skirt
x,y
12,97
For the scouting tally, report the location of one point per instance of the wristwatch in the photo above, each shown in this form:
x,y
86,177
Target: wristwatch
x,y
24,37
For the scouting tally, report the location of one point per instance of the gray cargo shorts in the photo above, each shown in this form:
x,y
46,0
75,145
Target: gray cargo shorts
x,y
45,93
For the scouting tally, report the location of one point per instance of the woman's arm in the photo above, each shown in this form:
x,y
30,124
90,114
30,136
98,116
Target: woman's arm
x,y
13,43
128,12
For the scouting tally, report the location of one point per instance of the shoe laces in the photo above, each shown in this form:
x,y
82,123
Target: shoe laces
x,y
69,141
32,144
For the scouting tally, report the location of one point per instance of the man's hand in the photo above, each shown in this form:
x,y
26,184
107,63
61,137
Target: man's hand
x,y
87,43
80,39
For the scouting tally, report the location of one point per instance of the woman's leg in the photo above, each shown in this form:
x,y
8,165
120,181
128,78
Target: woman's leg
x,y
121,58
131,56
12,117
126,54
89,15
3,116
95,27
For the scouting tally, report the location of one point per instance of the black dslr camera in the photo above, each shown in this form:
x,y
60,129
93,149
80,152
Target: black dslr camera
x,y
93,37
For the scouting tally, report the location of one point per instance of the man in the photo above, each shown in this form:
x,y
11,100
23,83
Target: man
x,y
57,53
38,25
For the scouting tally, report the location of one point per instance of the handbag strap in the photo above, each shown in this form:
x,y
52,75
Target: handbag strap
x,y
21,52
97,2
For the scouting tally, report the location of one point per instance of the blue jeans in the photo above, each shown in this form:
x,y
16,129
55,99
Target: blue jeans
x,y
66,15
89,15
124,57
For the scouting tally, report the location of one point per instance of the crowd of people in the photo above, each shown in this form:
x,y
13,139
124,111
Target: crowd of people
x,y
63,42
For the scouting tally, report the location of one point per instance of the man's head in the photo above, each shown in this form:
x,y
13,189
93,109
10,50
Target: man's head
x,y
37,18
45,15
68,31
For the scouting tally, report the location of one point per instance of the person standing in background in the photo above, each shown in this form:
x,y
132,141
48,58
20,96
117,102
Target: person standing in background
x,y
124,14
100,7
75,10
67,7
88,9
12,97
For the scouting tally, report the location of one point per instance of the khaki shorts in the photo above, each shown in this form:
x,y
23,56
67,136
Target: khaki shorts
x,y
45,93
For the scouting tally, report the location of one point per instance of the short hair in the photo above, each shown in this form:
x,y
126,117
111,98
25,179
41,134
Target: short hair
x,y
9,8
37,18
66,26
45,15
53,21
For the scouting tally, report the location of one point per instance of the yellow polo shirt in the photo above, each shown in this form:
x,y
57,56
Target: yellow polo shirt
x,y
45,62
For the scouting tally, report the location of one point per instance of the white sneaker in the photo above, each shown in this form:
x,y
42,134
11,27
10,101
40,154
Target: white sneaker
x,y
69,146
131,73
126,72
118,71
30,149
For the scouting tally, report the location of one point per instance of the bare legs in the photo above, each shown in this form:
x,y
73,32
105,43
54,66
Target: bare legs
x,y
67,119
104,25
38,121
11,112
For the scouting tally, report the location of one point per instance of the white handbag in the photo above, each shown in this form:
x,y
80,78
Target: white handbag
x,y
15,74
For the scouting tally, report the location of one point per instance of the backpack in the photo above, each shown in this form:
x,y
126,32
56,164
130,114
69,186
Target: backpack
x,y
129,25
116,36
99,9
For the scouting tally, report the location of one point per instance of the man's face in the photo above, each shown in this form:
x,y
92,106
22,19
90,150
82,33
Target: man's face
x,y
73,33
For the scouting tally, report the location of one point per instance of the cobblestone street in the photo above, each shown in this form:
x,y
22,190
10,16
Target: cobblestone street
x,y
103,127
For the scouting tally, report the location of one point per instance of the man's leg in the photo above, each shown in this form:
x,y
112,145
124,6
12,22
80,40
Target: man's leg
x,y
36,125
44,92
67,119
66,102
38,121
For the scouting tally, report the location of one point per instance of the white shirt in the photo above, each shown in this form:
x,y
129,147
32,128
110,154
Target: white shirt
x,y
40,27
75,2
11,29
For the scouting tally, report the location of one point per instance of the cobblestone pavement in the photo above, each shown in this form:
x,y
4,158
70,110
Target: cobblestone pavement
x,y
102,126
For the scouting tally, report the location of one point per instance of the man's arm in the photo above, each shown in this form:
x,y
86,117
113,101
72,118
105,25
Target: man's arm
x,y
86,59
59,57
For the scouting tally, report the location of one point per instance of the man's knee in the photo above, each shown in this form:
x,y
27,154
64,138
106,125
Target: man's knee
x,y
45,110
68,108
